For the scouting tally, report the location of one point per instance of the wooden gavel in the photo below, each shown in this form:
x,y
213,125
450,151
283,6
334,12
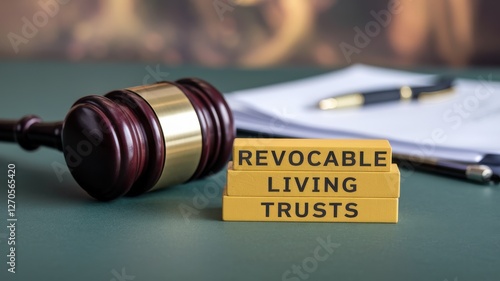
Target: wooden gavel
x,y
138,139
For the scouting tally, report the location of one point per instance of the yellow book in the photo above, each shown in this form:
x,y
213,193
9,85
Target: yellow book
x,y
312,154
309,209
313,183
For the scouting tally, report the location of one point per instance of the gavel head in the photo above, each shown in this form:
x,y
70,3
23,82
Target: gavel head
x,y
143,138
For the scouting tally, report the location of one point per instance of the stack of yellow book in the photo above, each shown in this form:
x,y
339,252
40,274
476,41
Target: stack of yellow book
x,y
311,180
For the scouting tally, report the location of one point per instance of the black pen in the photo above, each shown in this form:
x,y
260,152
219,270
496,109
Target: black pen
x,y
473,172
404,93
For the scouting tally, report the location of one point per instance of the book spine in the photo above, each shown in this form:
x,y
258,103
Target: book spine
x,y
309,209
315,184
312,155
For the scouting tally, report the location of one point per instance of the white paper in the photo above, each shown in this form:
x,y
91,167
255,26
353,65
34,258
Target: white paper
x,y
462,126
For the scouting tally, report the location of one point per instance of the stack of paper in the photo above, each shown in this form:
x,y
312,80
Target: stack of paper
x,y
461,126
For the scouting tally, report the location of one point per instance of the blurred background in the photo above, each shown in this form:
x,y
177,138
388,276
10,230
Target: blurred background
x,y
254,33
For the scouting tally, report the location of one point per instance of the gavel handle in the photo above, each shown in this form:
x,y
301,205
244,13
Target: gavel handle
x,y
30,133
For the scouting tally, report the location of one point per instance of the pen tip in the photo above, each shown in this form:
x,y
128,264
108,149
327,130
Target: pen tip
x,y
327,104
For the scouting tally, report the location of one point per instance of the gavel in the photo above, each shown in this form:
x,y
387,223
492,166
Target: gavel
x,y
138,139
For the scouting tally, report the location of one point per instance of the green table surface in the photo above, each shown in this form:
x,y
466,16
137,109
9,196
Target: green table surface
x,y
448,229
